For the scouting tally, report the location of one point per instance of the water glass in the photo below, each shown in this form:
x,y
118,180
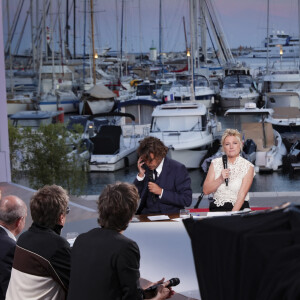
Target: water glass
x,y
71,237
184,213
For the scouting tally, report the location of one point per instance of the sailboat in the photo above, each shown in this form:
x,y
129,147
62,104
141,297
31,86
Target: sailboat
x,y
98,98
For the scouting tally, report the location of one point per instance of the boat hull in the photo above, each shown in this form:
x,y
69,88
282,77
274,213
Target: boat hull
x,y
68,106
15,107
111,163
190,158
238,101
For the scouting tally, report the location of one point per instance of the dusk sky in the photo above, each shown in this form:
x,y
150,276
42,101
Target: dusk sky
x,y
244,22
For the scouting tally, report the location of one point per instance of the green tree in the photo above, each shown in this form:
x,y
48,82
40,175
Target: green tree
x,y
50,155
15,146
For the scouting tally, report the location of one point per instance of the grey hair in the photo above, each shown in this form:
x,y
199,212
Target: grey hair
x,y
10,213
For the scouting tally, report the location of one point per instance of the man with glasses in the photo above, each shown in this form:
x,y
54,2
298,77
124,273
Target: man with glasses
x,y
41,267
164,184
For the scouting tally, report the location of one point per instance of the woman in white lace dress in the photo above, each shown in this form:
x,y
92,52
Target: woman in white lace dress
x,y
239,172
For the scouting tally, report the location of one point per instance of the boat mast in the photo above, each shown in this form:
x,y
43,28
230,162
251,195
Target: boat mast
x,y
67,29
299,27
121,48
160,31
140,31
268,12
9,50
74,28
93,42
196,42
192,27
32,37
52,45
203,31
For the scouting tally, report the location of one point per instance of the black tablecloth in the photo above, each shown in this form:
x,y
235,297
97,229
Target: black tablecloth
x,y
249,256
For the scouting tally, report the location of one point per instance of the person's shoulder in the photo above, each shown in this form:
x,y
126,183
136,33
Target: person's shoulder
x,y
246,162
99,237
5,239
217,160
127,243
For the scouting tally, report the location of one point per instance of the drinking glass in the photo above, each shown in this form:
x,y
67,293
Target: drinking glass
x,y
184,213
71,237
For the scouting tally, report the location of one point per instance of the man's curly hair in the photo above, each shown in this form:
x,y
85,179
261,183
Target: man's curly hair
x,y
153,145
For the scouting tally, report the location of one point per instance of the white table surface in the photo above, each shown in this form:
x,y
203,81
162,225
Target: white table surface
x,y
166,251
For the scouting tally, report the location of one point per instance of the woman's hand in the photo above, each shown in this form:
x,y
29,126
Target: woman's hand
x,y
225,173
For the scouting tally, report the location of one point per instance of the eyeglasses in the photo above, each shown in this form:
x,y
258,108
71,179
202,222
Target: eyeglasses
x,y
68,210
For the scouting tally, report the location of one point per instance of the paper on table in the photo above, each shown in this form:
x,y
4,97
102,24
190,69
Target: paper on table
x,y
226,213
218,213
158,218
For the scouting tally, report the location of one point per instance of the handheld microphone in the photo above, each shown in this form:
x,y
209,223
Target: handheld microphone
x,y
170,282
224,158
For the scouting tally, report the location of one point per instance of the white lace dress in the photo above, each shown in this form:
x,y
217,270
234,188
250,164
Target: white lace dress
x,y
238,170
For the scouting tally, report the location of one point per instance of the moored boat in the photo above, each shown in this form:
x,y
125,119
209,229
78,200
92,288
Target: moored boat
x,y
187,129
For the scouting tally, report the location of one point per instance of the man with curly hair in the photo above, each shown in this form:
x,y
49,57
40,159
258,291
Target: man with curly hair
x,y
164,184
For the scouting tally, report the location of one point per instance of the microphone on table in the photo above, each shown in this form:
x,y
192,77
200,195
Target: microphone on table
x,y
224,158
170,282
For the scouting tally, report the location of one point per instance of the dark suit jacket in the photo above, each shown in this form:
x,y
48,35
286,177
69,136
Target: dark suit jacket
x,y
7,250
176,183
104,265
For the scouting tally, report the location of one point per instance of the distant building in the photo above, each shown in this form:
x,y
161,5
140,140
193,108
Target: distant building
x,y
153,53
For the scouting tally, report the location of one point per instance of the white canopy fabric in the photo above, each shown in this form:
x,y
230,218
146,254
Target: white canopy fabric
x,y
100,91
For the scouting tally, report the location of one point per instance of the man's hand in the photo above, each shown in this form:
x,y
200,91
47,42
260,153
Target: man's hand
x,y
154,188
140,163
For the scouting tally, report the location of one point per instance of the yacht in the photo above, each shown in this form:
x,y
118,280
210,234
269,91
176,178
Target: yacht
x,y
238,87
187,129
285,119
280,44
237,90
269,146
181,90
115,143
281,86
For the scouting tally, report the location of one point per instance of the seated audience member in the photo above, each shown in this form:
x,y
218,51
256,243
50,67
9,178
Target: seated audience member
x,y
41,267
233,195
165,187
13,212
104,263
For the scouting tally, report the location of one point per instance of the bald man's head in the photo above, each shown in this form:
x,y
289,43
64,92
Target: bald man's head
x,y
12,210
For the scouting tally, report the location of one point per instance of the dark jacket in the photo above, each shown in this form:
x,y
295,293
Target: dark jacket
x,y
7,250
176,183
105,265
43,253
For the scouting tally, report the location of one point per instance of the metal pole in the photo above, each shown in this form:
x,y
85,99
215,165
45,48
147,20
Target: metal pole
x,y
93,42
268,12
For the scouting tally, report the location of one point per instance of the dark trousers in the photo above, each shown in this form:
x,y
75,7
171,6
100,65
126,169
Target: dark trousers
x,y
226,207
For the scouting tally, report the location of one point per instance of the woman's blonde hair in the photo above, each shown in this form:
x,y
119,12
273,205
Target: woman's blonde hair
x,y
232,132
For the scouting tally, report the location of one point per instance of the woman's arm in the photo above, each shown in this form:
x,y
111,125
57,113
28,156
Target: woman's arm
x,y
211,184
245,187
